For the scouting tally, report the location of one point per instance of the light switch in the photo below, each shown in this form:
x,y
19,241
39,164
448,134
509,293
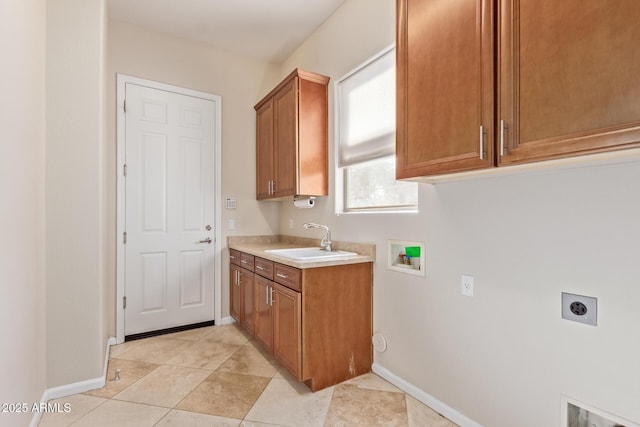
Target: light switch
x,y
230,203
231,224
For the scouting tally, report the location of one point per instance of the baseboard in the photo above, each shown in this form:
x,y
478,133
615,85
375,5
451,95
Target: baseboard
x,y
75,388
35,420
424,397
227,320
111,341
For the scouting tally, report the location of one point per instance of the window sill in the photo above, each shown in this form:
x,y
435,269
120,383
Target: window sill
x,y
383,212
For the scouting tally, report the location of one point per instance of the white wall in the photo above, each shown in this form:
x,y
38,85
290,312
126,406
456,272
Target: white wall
x,y
75,191
240,81
503,357
22,196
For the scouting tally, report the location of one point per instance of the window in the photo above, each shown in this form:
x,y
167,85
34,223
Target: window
x,y
366,123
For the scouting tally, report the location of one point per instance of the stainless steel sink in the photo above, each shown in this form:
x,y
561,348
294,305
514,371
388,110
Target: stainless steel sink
x,y
307,254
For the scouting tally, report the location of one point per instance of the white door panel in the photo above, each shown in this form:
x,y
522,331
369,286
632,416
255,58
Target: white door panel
x,y
169,202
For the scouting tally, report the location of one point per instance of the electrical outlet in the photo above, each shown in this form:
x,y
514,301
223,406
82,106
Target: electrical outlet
x,y
580,308
231,224
466,285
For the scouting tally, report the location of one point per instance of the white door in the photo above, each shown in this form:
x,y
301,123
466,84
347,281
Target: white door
x,y
169,209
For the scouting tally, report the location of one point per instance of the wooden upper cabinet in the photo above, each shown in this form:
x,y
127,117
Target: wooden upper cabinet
x,y
264,149
445,86
565,82
291,138
285,139
568,77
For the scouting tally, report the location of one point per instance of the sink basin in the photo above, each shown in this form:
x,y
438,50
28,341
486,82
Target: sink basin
x,y
307,254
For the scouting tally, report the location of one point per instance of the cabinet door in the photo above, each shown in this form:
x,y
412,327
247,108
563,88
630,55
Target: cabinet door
x,y
445,86
285,139
264,313
248,308
568,77
264,150
235,295
287,339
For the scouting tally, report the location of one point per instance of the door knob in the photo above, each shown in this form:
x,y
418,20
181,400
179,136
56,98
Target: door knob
x,y
207,240
208,228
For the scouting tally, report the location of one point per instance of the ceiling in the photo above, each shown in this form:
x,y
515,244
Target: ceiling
x,y
268,30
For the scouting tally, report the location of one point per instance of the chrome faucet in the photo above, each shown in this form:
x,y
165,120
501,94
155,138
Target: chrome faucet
x,y
325,243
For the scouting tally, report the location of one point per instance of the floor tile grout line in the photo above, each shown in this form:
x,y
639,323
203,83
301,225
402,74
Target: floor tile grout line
x,y
238,373
249,343
136,381
84,415
193,342
192,390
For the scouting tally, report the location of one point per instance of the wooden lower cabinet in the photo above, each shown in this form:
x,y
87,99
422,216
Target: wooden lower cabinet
x,y
336,323
286,329
235,294
248,303
241,296
264,312
277,321
317,322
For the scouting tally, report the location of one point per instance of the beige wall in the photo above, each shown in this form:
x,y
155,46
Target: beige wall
x,y
75,191
22,196
503,357
239,81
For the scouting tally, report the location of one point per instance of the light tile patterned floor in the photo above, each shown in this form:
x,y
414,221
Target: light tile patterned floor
x,y
218,376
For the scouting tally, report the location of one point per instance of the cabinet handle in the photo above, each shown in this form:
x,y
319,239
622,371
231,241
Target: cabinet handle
x,y
243,261
502,130
259,267
273,187
481,142
239,278
284,276
266,295
269,187
232,257
271,291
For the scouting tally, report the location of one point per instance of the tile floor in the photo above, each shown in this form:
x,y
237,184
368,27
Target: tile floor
x,y
218,376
